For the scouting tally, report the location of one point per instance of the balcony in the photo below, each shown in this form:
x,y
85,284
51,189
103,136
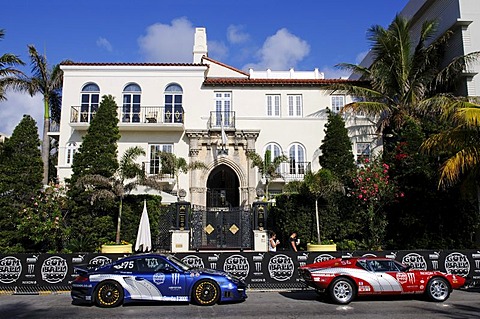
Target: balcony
x,y
136,118
291,171
54,129
215,120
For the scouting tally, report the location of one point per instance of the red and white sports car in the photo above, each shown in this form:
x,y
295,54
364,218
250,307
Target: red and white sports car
x,y
345,278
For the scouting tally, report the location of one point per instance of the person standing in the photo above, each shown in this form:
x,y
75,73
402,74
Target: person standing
x,y
273,242
294,241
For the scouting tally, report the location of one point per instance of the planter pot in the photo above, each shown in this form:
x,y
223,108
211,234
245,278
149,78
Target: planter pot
x,y
316,247
116,249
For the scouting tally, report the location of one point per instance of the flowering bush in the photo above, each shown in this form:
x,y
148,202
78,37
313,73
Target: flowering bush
x,y
372,183
42,221
372,190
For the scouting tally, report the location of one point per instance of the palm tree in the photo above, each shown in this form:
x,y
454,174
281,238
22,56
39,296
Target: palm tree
x,y
460,143
128,175
47,82
267,167
403,73
321,184
173,165
9,76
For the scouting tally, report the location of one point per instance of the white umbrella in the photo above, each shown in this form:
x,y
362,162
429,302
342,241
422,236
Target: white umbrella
x,y
144,238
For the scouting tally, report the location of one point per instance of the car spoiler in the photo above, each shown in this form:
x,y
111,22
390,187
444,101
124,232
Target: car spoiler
x,y
84,268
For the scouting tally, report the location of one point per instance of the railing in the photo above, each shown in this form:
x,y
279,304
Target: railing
x,y
292,171
217,117
133,114
54,127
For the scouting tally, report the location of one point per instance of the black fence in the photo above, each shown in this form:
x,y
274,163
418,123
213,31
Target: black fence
x,y
34,273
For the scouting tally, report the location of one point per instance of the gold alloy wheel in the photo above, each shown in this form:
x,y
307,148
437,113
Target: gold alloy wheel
x,y
109,294
206,293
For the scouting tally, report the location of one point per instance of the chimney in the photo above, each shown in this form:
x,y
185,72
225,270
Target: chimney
x,y
200,45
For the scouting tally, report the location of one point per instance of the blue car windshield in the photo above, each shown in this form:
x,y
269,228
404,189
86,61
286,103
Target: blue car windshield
x,y
179,263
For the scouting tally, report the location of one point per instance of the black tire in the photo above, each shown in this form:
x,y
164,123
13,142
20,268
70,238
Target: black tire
x,y
438,289
342,291
206,293
109,294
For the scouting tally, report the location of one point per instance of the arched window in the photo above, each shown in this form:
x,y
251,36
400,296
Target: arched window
x,y
70,150
131,103
296,155
275,151
173,104
90,101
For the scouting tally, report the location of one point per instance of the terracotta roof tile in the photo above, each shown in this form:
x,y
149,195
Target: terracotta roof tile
x,y
276,82
130,64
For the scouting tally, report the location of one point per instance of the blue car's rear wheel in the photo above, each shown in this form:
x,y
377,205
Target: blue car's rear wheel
x,y
109,294
206,293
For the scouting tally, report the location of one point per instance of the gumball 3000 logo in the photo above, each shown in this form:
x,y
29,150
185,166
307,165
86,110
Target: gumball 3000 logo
x,y
54,269
10,269
237,265
323,257
193,261
457,264
100,261
415,260
281,267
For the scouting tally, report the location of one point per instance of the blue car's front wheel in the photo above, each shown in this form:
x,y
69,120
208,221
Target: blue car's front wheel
x,y
109,293
206,293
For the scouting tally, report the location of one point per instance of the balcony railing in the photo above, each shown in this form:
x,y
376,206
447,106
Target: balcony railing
x,y
217,118
292,171
132,114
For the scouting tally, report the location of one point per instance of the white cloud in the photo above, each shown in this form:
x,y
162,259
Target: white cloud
x,y
281,51
16,106
105,44
168,43
235,34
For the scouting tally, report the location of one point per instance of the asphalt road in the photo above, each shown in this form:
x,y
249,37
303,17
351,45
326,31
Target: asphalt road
x,y
303,304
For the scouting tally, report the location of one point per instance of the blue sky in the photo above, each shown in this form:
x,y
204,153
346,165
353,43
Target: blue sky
x,y
276,34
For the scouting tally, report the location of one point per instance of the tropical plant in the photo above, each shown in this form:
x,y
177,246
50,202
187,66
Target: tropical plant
x,y
322,184
9,75
267,167
128,175
373,189
460,143
48,82
403,73
174,166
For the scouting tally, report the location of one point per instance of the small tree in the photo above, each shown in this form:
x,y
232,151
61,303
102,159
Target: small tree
x,y
173,165
97,155
126,178
267,167
336,148
20,179
322,184
98,152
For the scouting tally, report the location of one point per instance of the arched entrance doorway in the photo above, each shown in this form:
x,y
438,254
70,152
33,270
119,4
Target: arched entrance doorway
x,y
223,187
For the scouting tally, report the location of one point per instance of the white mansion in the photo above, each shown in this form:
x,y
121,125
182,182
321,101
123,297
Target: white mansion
x,y
210,112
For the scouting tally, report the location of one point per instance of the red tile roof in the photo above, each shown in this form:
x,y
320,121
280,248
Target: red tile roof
x,y
276,82
130,64
224,65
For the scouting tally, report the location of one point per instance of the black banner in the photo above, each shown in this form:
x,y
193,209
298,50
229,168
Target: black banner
x,y
37,272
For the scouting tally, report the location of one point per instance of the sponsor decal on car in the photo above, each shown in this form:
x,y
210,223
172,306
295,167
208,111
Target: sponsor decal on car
x,y
158,278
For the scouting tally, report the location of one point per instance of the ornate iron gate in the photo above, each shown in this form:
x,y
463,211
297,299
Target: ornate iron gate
x,y
221,228
168,221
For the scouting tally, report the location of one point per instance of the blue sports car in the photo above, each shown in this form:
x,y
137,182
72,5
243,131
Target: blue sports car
x,y
155,277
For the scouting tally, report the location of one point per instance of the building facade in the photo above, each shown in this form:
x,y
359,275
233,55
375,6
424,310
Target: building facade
x,y
209,112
